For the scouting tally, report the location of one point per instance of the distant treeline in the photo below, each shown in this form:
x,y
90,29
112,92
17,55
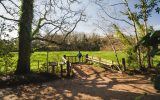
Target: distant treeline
x,y
74,42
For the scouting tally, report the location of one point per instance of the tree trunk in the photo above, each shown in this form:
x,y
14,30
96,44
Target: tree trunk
x,y
115,51
144,9
139,57
25,30
136,33
149,64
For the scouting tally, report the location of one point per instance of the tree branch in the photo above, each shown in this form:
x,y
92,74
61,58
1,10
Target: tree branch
x,y
14,4
113,17
8,10
74,26
1,16
117,4
50,41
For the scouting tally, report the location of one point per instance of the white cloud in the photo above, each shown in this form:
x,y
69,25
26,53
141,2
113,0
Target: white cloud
x,y
156,27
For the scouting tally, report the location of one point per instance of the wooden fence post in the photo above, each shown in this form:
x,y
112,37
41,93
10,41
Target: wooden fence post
x,y
6,67
38,64
61,65
86,58
99,61
68,69
124,63
72,59
47,61
53,69
75,59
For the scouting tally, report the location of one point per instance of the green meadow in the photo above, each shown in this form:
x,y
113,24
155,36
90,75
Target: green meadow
x,y
56,56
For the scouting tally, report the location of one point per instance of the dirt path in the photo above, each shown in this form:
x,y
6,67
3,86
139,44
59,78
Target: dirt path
x,y
91,83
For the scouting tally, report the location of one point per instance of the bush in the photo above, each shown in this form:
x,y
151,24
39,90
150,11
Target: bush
x,y
6,57
132,58
157,82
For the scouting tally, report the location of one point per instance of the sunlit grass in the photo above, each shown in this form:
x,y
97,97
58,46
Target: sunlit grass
x,y
56,56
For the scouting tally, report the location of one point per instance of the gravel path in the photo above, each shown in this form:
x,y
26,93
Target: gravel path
x,y
90,83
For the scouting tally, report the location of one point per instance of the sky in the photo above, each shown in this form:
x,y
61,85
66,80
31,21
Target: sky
x,y
92,11
93,14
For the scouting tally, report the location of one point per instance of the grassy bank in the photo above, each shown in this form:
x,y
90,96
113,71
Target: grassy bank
x,y
56,56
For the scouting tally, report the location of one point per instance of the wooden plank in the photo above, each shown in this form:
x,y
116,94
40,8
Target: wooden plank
x,y
75,59
107,62
61,65
52,63
68,69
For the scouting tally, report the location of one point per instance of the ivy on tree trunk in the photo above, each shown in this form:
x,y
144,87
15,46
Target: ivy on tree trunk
x,y
25,30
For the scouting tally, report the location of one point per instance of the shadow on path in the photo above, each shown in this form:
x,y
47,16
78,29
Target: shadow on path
x,y
90,84
98,88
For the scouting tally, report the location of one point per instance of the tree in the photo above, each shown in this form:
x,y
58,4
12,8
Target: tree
x,y
132,16
57,16
25,32
130,22
152,40
146,7
6,46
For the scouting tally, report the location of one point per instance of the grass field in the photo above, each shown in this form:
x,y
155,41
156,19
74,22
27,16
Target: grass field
x,y
56,56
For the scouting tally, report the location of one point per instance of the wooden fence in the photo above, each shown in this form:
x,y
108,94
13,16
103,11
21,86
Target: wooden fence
x,y
74,59
104,62
87,59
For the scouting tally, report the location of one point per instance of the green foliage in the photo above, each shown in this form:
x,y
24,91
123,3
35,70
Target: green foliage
x,y
139,26
56,56
147,6
131,58
140,97
134,17
151,40
5,47
6,56
157,82
73,42
121,36
131,55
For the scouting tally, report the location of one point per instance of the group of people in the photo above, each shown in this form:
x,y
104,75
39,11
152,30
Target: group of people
x,y
79,55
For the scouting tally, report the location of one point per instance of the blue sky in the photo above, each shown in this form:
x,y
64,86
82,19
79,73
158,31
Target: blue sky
x,y
92,10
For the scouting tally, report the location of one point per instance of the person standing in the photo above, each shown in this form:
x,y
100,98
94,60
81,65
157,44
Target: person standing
x,y
79,56
64,60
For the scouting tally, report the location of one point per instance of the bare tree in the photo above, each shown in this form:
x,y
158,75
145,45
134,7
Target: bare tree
x,y
112,45
56,15
131,22
133,19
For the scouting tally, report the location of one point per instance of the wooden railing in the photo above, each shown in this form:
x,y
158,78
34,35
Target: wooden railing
x,y
74,59
88,59
53,65
101,60
104,62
